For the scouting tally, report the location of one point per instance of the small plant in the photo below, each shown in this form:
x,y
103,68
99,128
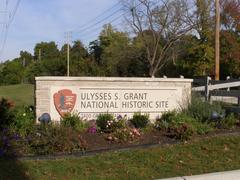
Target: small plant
x,y
139,120
50,139
124,135
181,131
202,110
229,122
74,121
107,123
6,113
24,120
180,125
92,130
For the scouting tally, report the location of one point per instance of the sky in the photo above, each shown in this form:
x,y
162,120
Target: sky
x,y
47,20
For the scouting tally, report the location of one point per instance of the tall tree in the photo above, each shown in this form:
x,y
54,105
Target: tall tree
x,y
46,51
230,38
197,56
110,51
159,23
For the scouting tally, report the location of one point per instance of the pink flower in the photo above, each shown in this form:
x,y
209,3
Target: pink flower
x,y
136,132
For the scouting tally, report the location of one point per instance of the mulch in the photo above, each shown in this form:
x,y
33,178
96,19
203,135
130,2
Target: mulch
x,y
97,143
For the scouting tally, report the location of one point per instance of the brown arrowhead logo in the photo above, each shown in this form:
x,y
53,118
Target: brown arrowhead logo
x,y
64,101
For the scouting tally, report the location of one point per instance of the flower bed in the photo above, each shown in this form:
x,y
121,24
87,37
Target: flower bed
x,y
20,136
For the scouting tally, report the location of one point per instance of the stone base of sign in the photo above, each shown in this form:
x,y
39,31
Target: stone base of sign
x,y
90,96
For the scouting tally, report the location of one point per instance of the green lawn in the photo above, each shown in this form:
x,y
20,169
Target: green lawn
x,y
197,157
21,94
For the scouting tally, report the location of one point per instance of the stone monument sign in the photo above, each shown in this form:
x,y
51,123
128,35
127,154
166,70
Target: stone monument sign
x,y
90,96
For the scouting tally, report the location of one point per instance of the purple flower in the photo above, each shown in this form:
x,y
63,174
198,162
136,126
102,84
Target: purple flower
x,y
16,136
2,151
119,117
28,138
5,130
92,130
5,140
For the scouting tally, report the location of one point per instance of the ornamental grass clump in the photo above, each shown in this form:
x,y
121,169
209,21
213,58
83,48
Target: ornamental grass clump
x,y
139,120
228,122
74,121
202,110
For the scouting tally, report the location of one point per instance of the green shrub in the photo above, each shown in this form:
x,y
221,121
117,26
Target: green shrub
x,y
181,131
24,120
229,122
139,120
202,127
107,123
74,121
6,113
202,110
50,139
180,125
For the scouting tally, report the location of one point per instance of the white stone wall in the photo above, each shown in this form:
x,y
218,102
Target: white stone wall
x,y
44,85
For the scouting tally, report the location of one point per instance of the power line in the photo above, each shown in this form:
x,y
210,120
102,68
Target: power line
x,y
100,15
89,30
14,12
98,22
7,24
95,29
4,30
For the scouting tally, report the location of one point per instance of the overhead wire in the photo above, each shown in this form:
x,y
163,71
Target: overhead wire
x,y
7,25
98,22
4,31
89,30
97,28
100,15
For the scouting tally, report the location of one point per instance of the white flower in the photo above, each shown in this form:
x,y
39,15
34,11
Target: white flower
x,y
24,114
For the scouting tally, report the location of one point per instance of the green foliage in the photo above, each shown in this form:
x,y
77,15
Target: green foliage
x,y
201,110
180,125
74,121
12,72
50,139
6,113
228,123
181,131
139,120
107,123
202,127
24,120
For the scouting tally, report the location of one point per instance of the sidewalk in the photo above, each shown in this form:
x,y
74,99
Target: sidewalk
x,y
227,175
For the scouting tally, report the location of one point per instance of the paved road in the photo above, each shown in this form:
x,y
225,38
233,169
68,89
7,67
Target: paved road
x,y
228,175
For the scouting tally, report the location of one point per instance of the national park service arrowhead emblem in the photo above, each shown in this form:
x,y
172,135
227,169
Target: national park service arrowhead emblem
x,y
64,101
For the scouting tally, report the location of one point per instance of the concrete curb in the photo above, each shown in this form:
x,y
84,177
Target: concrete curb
x,y
227,175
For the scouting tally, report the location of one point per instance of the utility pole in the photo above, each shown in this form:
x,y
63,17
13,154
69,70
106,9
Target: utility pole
x,y
217,37
24,62
39,54
68,36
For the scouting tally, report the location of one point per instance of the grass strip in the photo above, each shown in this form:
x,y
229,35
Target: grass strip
x,y
197,157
